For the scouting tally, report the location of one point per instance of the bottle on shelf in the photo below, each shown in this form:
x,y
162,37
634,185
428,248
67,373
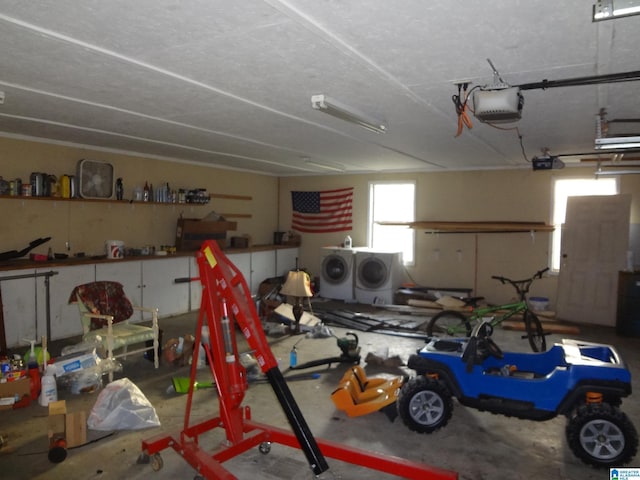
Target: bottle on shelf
x,y
145,192
119,189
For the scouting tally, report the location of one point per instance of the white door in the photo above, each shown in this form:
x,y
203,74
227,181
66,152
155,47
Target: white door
x,y
595,239
263,266
159,289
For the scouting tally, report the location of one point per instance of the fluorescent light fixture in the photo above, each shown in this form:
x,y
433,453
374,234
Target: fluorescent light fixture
x,y
610,9
620,142
609,143
604,173
349,114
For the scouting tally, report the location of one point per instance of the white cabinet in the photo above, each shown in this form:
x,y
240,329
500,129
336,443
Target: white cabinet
x,y
31,298
150,283
242,261
159,289
21,319
147,283
195,286
64,318
286,259
263,266
129,274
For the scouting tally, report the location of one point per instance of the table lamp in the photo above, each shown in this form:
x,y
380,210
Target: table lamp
x,y
297,285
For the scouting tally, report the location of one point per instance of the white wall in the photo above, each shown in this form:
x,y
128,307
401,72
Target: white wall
x,y
504,195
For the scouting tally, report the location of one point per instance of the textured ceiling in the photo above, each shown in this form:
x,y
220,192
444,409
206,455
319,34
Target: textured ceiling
x,y
229,83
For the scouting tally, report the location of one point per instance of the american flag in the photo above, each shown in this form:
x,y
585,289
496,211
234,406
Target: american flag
x,y
321,212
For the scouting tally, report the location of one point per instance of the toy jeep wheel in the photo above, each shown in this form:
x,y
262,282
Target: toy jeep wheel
x,y
425,405
602,436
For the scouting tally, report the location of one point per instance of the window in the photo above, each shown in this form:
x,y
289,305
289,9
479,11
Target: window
x,y
564,188
392,202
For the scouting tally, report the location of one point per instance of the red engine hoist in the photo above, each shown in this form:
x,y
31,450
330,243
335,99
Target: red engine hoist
x,y
226,300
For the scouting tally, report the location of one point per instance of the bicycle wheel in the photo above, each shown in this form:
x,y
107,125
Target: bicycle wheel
x,y
535,333
449,322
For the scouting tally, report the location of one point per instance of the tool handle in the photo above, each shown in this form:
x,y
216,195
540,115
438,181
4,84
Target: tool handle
x,y
186,279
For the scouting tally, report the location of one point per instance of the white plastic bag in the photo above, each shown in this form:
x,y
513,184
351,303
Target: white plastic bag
x,y
122,406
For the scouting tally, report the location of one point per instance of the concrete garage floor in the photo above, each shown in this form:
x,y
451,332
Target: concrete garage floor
x,y
475,444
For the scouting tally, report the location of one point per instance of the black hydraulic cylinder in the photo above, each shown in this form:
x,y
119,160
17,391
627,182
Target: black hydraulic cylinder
x,y
308,444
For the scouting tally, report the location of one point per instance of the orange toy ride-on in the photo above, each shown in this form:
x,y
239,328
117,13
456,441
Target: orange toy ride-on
x,y
226,300
358,395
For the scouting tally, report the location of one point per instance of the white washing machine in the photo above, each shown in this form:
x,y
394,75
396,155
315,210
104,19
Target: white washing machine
x,y
337,273
377,276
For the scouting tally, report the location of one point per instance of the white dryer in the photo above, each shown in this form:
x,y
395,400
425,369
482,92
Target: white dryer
x,y
337,273
378,276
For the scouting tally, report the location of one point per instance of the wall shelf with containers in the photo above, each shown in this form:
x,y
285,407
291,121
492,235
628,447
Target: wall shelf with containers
x,y
96,181
138,202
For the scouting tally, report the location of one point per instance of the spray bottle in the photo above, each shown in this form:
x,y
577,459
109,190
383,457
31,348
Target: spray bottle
x,y
32,361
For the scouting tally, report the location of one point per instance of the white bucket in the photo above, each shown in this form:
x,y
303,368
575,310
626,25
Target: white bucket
x,y
539,303
114,249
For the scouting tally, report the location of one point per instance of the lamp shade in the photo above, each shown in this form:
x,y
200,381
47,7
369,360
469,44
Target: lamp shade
x,y
298,284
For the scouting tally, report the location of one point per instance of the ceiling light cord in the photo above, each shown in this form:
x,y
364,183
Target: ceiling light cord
x,y
520,136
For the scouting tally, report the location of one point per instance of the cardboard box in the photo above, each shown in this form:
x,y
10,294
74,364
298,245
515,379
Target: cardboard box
x,y
74,363
20,387
191,232
240,242
293,239
70,426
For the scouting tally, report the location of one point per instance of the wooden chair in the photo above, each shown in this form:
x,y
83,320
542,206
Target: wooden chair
x,y
105,311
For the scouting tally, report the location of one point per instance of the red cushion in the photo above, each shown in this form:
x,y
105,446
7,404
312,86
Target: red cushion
x,y
105,298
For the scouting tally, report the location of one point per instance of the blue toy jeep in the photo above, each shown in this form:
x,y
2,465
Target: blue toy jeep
x,y
583,381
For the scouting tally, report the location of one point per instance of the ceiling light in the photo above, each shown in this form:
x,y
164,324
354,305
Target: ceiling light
x,y
343,112
610,9
600,173
617,143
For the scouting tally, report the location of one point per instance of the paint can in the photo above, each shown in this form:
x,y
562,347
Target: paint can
x,y
114,249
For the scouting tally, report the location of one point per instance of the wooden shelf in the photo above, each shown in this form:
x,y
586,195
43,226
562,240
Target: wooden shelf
x,y
474,227
125,201
94,200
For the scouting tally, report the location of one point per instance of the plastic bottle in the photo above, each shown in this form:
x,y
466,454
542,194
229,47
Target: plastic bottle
x,y
119,189
49,389
293,357
35,384
348,243
145,192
